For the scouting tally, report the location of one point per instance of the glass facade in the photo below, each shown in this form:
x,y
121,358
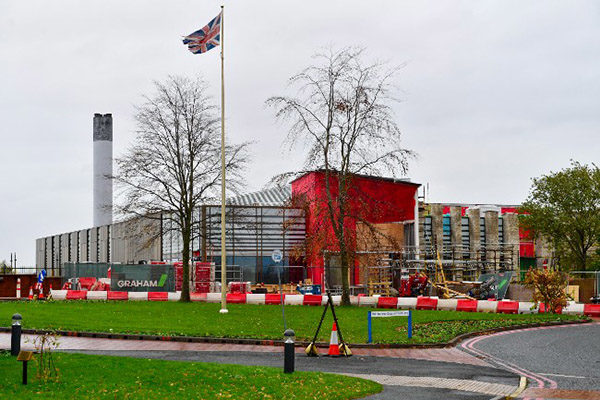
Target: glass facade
x,y
252,233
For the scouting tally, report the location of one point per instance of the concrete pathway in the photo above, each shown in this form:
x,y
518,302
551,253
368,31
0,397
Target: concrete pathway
x,y
405,373
79,343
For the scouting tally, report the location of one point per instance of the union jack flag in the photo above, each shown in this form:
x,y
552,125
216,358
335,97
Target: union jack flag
x,y
206,38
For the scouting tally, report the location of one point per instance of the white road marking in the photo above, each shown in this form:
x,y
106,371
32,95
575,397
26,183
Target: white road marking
x,y
565,376
494,389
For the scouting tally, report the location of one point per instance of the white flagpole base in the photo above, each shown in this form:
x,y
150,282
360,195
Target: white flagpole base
x,y
223,311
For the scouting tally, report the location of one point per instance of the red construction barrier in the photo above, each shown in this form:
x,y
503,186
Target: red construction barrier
x,y
76,294
387,302
592,310
508,307
542,309
236,298
466,305
426,303
116,296
273,298
312,300
197,296
158,296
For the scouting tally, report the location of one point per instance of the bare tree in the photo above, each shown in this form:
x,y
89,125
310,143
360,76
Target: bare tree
x,y
342,113
174,165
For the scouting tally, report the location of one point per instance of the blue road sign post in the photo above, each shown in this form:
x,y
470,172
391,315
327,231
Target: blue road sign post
x,y
386,314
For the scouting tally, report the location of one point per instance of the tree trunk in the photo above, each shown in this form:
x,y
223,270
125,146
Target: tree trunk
x,y
345,277
185,284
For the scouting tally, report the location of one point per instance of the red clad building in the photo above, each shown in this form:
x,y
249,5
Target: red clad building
x,y
373,200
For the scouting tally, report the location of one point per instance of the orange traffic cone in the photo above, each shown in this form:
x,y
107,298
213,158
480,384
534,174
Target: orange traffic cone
x,y
334,349
30,297
41,295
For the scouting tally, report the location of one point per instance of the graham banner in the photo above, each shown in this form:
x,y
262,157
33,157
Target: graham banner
x,y
142,278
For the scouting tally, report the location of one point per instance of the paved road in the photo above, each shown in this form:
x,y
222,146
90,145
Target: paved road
x,y
565,358
401,377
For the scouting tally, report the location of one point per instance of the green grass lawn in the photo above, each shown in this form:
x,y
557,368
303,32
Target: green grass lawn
x,y
103,377
252,321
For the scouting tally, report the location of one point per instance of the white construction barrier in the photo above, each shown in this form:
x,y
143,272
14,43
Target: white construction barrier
x,y
447,304
59,294
527,307
367,301
213,297
96,295
407,303
573,308
294,299
487,306
255,298
174,296
137,296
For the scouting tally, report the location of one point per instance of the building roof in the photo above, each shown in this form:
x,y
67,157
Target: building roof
x,y
277,196
373,177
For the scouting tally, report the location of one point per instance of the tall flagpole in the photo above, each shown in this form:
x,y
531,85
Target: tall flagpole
x,y
223,249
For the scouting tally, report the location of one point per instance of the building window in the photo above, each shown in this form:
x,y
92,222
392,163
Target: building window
x,y
500,230
447,237
409,235
97,244
108,243
482,231
427,230
464,235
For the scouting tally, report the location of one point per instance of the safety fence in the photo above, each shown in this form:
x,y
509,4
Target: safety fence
x,y
407,303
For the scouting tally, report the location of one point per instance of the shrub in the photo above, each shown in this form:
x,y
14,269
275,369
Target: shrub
x,y
549,287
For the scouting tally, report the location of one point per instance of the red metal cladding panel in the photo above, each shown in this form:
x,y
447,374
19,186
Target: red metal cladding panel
x,y
158,296
426,303
508,307
273,298
542,309
374,199
387,302
236,298
117,296
312,300
592,310
466,305
76,294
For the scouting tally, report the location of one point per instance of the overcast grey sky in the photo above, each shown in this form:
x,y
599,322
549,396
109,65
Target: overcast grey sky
x,y
493,92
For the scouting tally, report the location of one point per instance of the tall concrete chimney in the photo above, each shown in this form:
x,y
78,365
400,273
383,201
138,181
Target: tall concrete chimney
x,y
103,161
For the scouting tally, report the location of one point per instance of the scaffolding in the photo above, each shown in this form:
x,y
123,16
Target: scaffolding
x,y
384,268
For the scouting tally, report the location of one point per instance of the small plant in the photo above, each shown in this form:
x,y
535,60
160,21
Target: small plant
x,y
44,345
549,287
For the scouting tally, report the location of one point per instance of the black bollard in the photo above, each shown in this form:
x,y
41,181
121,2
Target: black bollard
x,y
289,353
15,335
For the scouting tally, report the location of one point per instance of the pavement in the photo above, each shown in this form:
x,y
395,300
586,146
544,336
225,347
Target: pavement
x,y
405,373
560,362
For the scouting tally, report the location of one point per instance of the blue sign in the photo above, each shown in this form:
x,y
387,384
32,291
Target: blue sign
x,y
385,314
41,276
277,256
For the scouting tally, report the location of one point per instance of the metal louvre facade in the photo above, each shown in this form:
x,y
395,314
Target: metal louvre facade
x,y
252,233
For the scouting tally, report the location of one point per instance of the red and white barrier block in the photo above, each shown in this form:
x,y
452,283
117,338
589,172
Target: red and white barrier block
x,y
413,303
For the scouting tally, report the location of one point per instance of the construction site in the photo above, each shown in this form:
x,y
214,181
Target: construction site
x,y
399,244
